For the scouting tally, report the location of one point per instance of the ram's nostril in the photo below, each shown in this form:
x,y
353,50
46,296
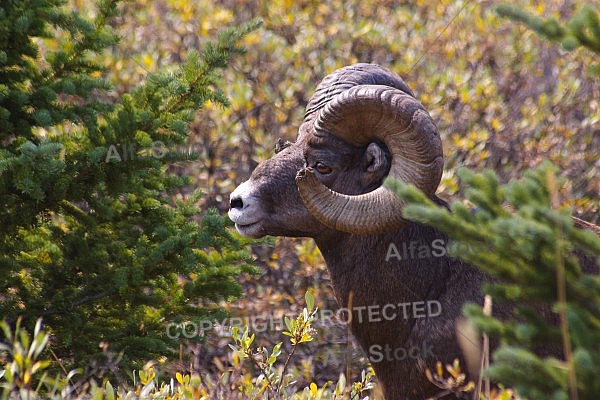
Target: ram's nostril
x,y
236,203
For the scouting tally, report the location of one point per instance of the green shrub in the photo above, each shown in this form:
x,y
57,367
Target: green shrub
x,y
96,244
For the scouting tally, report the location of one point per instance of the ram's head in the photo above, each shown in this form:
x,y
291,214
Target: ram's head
x,y
362,125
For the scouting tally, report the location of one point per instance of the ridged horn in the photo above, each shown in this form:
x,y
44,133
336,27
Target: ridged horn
x,y
360,115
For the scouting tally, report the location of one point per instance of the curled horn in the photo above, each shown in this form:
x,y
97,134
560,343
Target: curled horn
x,y
362,111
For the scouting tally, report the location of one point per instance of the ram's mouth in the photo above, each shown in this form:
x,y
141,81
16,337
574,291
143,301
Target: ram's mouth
x,y
252,230
244,226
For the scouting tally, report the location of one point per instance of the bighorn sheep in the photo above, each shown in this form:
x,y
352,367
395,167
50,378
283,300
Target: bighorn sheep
x,y
363,124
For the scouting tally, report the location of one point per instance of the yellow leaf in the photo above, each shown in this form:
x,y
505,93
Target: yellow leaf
x,y
251,39
313,389
205,27
495,124
223,16
364,30
187,13
148,60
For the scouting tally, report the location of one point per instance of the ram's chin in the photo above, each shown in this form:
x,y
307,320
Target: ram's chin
x,y
254,230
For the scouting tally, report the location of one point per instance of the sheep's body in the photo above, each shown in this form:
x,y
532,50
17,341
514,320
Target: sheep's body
x,y
373,281
335,169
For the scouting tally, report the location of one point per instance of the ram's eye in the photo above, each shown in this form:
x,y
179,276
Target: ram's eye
x,y
322,168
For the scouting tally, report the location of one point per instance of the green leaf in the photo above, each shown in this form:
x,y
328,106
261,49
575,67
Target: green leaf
x,y
310,300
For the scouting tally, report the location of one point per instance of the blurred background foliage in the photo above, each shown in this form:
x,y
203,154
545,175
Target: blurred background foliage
x,y
503,99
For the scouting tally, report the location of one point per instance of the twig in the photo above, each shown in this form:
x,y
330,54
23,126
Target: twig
x,y
561,289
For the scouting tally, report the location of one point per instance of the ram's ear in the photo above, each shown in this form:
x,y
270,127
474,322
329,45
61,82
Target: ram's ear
x,y
375,159
376,164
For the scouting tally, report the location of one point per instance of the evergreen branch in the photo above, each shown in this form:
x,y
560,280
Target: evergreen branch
x,y
572,34
75,304
193,92
215,56
76,212
89,298
538,248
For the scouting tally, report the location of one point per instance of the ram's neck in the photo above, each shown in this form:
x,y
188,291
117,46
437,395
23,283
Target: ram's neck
x,y
388,268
